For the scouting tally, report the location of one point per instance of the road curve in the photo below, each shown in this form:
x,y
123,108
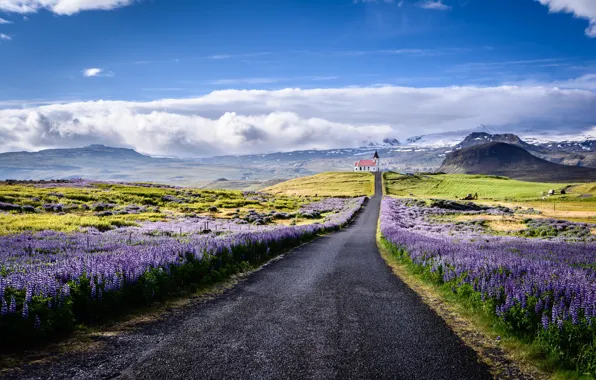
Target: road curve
x,y
330,309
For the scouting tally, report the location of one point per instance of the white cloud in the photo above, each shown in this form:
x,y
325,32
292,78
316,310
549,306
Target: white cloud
x,y
3,21
5,37
585,9
434,4
252,121
93,72
586,82
61,7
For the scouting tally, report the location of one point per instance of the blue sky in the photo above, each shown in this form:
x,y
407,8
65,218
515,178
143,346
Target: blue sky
x,y
374,68
172,48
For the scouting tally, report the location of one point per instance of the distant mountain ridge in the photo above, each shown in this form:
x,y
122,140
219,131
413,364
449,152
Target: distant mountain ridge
x,y
91,151
422,153
502,159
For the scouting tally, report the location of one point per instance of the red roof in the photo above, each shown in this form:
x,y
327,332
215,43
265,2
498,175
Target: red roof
x,y
365,163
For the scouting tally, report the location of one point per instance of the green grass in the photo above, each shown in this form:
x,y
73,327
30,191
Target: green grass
x,y
453,186
578,205
333,184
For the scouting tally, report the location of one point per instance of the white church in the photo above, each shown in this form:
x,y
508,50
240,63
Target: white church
x,y
373,165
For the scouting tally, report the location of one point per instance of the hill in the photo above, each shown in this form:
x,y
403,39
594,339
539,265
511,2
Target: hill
x,y
347,184
512,161
225,184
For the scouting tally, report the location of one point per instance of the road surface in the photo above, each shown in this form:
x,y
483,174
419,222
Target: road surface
x,y
331,309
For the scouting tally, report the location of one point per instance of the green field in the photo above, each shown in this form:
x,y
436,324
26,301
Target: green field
x,y
334,184
101,205
578,204
454,186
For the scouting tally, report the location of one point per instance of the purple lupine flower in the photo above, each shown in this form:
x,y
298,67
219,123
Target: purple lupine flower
x,y
13,305
25,313
545,321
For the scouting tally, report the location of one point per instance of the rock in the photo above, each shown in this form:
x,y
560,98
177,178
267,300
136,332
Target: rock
x,y
9,207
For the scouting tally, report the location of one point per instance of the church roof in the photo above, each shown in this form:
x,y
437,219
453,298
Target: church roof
x,y
365,163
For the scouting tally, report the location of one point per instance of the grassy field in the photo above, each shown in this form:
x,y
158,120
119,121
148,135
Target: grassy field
x,y
454,186
578,204
71,207
327,185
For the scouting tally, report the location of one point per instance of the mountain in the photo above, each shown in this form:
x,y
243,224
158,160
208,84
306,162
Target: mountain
x,y
481,138
386,143
49,157
496,158
573,153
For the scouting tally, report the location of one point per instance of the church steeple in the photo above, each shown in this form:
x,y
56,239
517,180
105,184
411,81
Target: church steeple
x,y
376,156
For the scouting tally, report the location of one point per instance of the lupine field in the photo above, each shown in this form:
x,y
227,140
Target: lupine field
x,y
53,279
543,289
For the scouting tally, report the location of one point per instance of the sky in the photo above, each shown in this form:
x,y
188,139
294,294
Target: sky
x,y
209,77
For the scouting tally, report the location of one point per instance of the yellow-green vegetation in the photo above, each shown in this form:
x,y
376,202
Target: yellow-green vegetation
x,y
14,223
335,184
585,189
70,207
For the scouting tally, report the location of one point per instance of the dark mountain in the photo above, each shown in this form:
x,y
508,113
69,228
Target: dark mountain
x,y
512,161
481,138
573,153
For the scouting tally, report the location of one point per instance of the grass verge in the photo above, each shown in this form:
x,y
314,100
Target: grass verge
x,y
508,356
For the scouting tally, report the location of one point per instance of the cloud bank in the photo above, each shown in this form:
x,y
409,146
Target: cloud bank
x,y
585,9
257,121
60,7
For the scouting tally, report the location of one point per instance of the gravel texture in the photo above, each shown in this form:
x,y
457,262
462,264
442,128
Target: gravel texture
x,y
329,309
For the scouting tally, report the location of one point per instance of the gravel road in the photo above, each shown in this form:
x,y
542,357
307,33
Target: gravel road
x,y
329,309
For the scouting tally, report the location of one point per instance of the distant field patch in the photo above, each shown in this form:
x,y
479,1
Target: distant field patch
x,y
327,185
506,225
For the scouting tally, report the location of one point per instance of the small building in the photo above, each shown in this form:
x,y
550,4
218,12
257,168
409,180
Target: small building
x,y
368,165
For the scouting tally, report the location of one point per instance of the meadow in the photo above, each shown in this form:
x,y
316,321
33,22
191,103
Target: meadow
x,y
577,204
75,253
69,207
334,184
